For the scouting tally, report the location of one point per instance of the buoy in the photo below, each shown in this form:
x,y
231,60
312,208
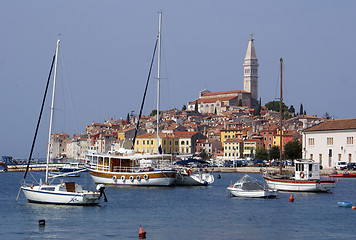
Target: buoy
x,y
353,207
338,179
42,222
291,198
141,233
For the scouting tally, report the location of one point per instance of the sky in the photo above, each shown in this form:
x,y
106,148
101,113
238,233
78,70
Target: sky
x,y
106,50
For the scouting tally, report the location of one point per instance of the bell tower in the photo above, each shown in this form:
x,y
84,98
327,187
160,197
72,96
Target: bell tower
x,y
251,70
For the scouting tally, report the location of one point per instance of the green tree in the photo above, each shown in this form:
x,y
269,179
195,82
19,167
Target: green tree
x,y
301,109
293,150
215,113
128,117
275,106
196,106
184,107
261,154
239,104
291,109
257,111
203,154
154,112
273,152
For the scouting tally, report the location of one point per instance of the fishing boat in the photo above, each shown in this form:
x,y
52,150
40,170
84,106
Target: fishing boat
x,y
188,177
345,174
125,167
250,187
306,174
67,193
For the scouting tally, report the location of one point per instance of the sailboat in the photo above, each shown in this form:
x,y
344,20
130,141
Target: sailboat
x,y
67,193
306,173
126,167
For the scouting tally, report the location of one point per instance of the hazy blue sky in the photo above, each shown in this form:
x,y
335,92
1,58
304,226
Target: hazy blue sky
x,y
107,47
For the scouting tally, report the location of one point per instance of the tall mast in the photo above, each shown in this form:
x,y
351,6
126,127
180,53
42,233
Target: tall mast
x,y
159,148
52,110
281,121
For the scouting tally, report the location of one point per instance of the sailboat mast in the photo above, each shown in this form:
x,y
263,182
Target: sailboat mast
x,y
159,149
281,121
52,111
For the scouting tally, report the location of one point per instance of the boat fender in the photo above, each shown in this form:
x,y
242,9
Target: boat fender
x,y
114,178
301,174
32,186
131,178
189,171
123,178
138,178
145,177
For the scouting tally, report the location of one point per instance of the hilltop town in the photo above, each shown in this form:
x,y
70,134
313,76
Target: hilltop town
x,y
222,125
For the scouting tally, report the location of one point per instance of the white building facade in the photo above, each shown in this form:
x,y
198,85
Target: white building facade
x,y
330,142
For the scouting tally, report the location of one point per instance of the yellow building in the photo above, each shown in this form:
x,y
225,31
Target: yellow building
x,y
147,143
230,133
250,147
233,148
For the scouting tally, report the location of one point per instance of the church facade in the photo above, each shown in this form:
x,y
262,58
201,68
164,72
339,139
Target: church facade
x,y
217,102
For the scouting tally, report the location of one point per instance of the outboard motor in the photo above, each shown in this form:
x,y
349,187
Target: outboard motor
x,y
101,188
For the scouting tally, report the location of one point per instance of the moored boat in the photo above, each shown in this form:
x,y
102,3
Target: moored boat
x,y
68,193
250,187
306,179
186,177
125,169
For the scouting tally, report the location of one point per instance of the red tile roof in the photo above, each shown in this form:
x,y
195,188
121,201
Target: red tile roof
x,y
341,124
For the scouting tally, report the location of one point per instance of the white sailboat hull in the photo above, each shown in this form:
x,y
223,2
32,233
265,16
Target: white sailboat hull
x,y
34,194
300,185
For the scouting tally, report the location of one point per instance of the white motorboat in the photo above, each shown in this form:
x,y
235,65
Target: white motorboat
x,y
250,187
68,193
186,177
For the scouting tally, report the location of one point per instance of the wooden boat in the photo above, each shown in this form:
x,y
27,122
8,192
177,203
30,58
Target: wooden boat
x,y
306,179
126,169
250,187
68,193
307,172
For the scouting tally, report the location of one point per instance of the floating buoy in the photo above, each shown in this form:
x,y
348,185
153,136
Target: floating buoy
x,y
353,207
42,222
141,233
291,198
338,179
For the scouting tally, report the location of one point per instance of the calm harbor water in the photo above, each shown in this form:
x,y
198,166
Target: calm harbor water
x,y
181,213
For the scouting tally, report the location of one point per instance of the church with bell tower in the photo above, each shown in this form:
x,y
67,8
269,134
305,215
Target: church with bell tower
x,y
218,102
251,70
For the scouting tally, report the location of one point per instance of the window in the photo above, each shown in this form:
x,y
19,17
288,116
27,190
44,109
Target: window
x,y
350,157
151,142
143,142
182,142
311,156
311,141
187,142
320,158
350,140
138,142
339,157
330,141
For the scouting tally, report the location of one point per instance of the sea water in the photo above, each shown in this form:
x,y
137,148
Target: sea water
x,y
203,212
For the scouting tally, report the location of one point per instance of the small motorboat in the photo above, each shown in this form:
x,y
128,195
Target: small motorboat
x,y
345,204
250,187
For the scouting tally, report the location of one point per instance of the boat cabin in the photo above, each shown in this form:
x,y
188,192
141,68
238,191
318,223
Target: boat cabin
x,y
307,170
